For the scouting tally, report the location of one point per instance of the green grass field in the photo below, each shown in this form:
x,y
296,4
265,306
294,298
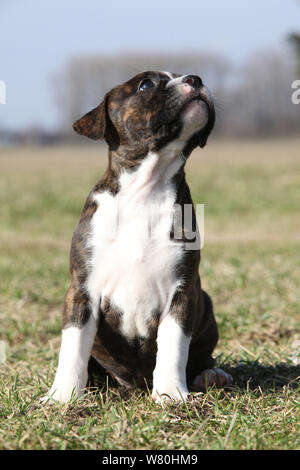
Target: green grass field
x,y
250,266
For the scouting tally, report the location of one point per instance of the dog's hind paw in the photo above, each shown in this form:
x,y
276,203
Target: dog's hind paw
x,y
211,377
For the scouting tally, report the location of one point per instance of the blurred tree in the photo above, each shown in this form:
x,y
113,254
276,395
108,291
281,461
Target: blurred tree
x,y
260,104
254,98
294,40
85,80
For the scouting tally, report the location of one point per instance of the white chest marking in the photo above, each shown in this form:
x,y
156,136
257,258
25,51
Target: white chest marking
x,y
131,266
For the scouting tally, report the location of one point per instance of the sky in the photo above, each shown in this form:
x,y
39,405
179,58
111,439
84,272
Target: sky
x,y
38,38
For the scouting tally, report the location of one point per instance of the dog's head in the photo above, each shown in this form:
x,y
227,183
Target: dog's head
x,y
151,110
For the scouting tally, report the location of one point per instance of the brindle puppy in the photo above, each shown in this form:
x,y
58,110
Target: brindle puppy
x,y
135,302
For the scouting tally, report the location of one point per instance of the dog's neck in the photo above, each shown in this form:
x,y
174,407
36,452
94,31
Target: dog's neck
x,y
158,167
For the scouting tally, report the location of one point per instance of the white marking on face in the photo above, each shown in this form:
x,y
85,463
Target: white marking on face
x,y
176,81
195,116
136,272
71,375
170,75
169,376
183,88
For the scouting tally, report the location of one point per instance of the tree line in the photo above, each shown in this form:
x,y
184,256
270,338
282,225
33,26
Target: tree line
x,y
252,99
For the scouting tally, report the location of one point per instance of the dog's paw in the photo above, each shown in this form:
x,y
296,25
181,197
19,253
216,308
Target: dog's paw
x,y
53,397
169,394
56,395
48,400
210,377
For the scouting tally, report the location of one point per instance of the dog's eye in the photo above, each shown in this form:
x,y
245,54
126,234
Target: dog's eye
x,y
145,84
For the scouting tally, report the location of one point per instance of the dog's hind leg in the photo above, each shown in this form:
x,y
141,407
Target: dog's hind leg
x,y
78,335
201,372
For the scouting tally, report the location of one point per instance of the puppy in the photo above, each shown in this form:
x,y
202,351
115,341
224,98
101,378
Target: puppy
x,y
135,302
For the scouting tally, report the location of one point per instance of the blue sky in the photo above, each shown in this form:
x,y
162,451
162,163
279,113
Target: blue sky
x,y
37,38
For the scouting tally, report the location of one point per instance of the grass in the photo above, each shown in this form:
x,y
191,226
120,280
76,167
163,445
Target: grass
x,y
250,266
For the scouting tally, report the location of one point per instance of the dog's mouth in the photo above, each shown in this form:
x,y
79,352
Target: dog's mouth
x,y
196,107
198,98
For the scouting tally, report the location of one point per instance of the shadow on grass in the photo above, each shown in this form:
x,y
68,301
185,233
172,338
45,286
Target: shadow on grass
x,y
250,375
247,375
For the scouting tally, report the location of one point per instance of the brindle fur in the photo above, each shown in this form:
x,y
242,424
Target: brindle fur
x,y
130,137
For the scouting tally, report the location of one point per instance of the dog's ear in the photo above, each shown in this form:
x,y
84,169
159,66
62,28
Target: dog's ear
x,y
93,123
96,124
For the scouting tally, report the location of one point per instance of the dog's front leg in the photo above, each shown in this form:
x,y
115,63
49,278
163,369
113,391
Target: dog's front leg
x,y
169,376
77,340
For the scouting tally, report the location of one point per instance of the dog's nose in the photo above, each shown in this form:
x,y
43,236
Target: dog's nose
x,y
193,80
